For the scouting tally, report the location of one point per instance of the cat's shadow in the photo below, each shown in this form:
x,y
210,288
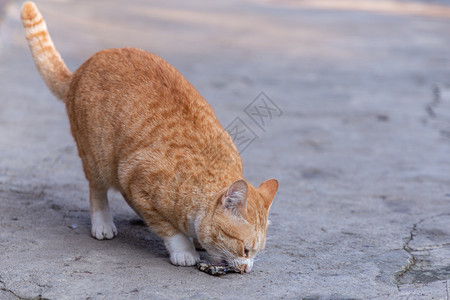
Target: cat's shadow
x,y
133,232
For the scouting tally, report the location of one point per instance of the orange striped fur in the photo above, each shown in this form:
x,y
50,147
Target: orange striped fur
x,y
47,59
142,129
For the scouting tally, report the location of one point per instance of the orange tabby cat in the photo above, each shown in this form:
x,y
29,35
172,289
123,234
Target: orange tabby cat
x,y
142,129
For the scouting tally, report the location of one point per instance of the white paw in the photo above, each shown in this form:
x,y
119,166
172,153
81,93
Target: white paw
x,y
182,251
184,258
103,226
104,231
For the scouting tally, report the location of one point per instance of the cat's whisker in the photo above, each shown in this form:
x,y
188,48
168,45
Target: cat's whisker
x,y
228,255
259,259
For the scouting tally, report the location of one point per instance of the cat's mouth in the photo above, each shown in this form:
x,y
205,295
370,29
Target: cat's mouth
x,y
223,263
220,262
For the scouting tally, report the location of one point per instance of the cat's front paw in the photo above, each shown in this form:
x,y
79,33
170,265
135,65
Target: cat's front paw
x,y
182,251
184,258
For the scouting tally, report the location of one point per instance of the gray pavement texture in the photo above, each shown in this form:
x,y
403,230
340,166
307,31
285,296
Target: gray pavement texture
x,y
359,141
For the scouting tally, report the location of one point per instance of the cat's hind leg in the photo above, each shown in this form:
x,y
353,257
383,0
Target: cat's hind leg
x,y
102,225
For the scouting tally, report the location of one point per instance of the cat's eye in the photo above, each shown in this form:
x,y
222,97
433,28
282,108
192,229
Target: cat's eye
x,y
246,252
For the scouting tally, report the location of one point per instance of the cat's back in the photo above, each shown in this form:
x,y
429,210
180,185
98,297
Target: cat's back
x,y
132,75
128,87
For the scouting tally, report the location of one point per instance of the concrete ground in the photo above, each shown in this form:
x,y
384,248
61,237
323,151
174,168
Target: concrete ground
x,y
358,137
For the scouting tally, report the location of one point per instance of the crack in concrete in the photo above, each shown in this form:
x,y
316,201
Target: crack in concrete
x,y
412,260
4,289
415,255
11,292
38,297
432,247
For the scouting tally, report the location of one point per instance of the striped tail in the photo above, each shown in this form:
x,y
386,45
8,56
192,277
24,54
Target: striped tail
x,y
47,59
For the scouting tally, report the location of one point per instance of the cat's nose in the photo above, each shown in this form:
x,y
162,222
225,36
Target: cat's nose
x,y
248,268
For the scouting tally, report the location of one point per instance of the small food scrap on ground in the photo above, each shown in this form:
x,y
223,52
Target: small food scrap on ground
x,y
216,270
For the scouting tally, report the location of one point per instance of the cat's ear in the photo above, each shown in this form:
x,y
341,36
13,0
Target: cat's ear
x,y
268,189
235,199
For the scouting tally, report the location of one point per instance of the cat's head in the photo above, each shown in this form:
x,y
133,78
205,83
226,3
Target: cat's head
x,y
236,232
